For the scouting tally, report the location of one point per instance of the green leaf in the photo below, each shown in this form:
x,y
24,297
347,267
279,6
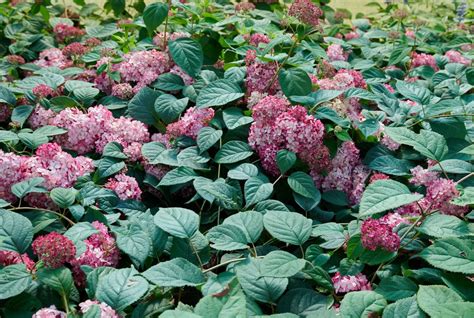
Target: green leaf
x,y
102,31
398,54
33,140
114,150
14,279
233,118
6,96
232,152
281,264
142,106
451,254
257,189
295,82
243,171
303,184
414,92
108,166
179,175
80,231
179,222
154,15
428,143
187,54
396,287
441,226
63,197
227,237
121,288
390,165
59,279
175,273
16,232
304,303
134,242
207,138
466,197
251,223
319,276
6,135
434,297
257,286
21,113
219,93
454,166
324,95
383,195
361,304
403,308
169,82
332,233
285,160
152,151
169,108
289,227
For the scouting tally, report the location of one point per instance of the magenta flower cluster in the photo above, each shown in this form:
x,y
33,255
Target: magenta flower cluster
x,y
64,32
54,249
379,233
305,11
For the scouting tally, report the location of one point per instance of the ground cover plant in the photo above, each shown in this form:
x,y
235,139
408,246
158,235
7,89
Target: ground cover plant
x,y
218,159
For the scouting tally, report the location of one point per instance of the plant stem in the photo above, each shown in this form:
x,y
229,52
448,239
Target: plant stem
x,y
45,210
281,66
195,253
166,26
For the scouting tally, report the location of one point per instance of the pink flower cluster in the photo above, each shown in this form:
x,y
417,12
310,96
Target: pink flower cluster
x,y
456,57
42,91
278,126
244,7
93,130
74,49
15,59
348,283
410,33
160,37
420,59
11,258
105,310
143,67
190,123
257,38
378,176
58,168
54,249
101,250
352,35
5,112
335,52
50,312
65,32
347,173
126,187
377,233
305,11
188,80
122,91
260,75
53,57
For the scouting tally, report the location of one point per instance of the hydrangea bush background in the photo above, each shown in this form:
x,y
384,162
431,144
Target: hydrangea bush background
x,y
218,159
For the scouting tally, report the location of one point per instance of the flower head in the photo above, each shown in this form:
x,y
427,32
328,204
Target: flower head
x,y
11,258
305,11
377,233
54,249
126,187
348,283
105,310
50,312
65,32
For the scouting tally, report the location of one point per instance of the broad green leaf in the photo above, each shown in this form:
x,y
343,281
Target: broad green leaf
x,y
63,197
289,227
433,298
179,222
16,232
187,54
390,165
414,92
207,138
285,160
383,195
232,152
169,108
398,54
332,233
295,82
303,184
121,288
142,106
233,118
305,302
80,231
219,93
441,226
466,197
227,237
251,223
403,308
134,242
179,175
21,113
396,287
243,171
362,303
108,166
454,166
169,82
154,15
281,264
152,151
6,96
451,254
257,189
6,136
114,150
33,140
14,279
175,273
59,279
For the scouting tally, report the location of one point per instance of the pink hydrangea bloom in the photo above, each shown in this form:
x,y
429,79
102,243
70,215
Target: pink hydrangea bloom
x,y
378,176
244,6
420,59
347,173
12,170
389,88
101,250
126,187
377,233
5,112
352,35
74,49
51,312
389,143
456,57
15,59
143,67
305,11
439,193
10,258
259,75
257,38
53,57
348,283
335,52
105,310
189,125
42,91
422,176
65,32
122,91
188,80
54,249
410,34
278,126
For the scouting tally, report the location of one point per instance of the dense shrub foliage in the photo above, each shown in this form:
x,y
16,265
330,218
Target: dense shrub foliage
x,y
204,159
